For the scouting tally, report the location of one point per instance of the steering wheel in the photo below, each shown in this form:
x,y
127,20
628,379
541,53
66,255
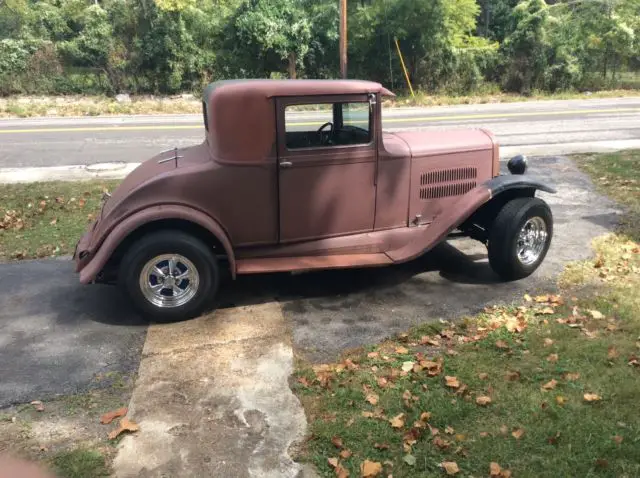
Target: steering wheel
x,y
325,137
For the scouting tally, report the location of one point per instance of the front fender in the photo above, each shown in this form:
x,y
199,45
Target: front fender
x,y
499,184
443,224
101,255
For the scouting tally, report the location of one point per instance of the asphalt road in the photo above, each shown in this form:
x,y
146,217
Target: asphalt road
x,y
536,128
56,335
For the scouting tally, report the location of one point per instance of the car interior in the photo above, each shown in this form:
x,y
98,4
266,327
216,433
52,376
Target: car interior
x,y
350,125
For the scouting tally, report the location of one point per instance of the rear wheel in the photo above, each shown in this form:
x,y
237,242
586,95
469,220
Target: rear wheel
x,y
520,237
169,276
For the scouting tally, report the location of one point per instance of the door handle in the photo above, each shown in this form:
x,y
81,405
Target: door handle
x,y
286,164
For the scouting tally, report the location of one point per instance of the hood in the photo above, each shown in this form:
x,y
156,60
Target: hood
x,y
154,168
431,143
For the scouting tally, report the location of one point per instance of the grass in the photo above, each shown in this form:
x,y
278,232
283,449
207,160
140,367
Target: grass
x,y
32,106
562,373
46,219
80,463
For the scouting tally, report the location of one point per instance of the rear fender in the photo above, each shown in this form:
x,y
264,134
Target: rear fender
x,y
480,201
119,233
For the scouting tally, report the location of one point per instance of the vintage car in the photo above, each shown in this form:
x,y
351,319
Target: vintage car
x,y
298,175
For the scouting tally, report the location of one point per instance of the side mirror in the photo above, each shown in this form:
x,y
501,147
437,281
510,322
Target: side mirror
x,y
517,164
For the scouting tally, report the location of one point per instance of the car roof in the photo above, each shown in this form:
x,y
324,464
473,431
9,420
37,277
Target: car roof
x,y
273,88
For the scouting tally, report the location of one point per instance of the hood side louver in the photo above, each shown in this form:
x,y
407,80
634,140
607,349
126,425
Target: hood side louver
x,y
457,181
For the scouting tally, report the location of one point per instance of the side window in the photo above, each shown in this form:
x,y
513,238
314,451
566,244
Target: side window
x,y
327,125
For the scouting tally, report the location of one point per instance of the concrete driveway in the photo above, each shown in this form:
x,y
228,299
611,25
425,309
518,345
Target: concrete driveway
x,y
56,335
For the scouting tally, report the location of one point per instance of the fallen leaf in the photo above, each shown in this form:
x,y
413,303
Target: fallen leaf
x,y
373,354
433,430
501,344
38,405
612,353
110,416
494,469
449,431
484,434
618,439
337,441
425,416
546,311
53,221
512,376
341,472
483,376
440,443
504,430
560,400
550,385
397,421
303,381
571,377
382,382
527,298
447,334
370,468
596,314
372,398
450,467
381,446
409,460
426,340
517,433
407,366
451,382
402,351
541,298
553,358
592,397
345,454
548,342
125,425
483,401
367,414
81,202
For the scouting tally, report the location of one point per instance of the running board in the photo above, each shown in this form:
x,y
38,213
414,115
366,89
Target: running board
x,y
307,263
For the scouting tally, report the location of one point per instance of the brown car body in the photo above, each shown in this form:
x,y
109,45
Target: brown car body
x,y
265,207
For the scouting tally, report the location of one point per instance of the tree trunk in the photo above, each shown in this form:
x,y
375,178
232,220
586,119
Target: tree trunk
x,y
292,66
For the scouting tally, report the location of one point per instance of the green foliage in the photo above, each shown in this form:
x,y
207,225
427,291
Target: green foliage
x,y
448,46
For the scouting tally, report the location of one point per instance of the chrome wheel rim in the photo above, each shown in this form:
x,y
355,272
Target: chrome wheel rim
x,y
532,239
169,280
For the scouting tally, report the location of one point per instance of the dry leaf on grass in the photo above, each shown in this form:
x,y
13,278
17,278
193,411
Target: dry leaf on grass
x,y
373,354
560,400
341,472
110,416
546,311
370,469
571,377
38,405
407,366
550,385
517,433
512,376
592,397
483,401
612,353
548,342
381,446
451,382
449,430
345,454
483,376
501,344
402,351
372,398
397,421
450,467
553,358
337,442
596,314
126,425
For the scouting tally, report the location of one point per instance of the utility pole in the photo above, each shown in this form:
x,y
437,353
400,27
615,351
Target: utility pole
x,y
343,38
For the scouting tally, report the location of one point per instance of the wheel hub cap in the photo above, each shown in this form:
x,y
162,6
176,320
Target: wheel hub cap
x,y
169,280
531,240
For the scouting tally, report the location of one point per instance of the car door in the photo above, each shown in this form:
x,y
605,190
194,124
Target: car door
x,y
326,181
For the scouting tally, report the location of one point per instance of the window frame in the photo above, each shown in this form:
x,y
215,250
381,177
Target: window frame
x,y
333,100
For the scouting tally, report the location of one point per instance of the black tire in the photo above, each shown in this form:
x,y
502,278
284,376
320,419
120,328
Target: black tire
x,y
170,242
503,237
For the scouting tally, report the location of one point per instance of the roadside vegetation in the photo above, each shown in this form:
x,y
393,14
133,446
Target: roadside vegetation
x,y
546,386
46,219
79,105
449,47
72,436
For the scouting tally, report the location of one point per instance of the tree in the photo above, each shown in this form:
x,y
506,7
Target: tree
x,y
273,32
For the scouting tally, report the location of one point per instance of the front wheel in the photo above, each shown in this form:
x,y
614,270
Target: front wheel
x,y
169,276
520,237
